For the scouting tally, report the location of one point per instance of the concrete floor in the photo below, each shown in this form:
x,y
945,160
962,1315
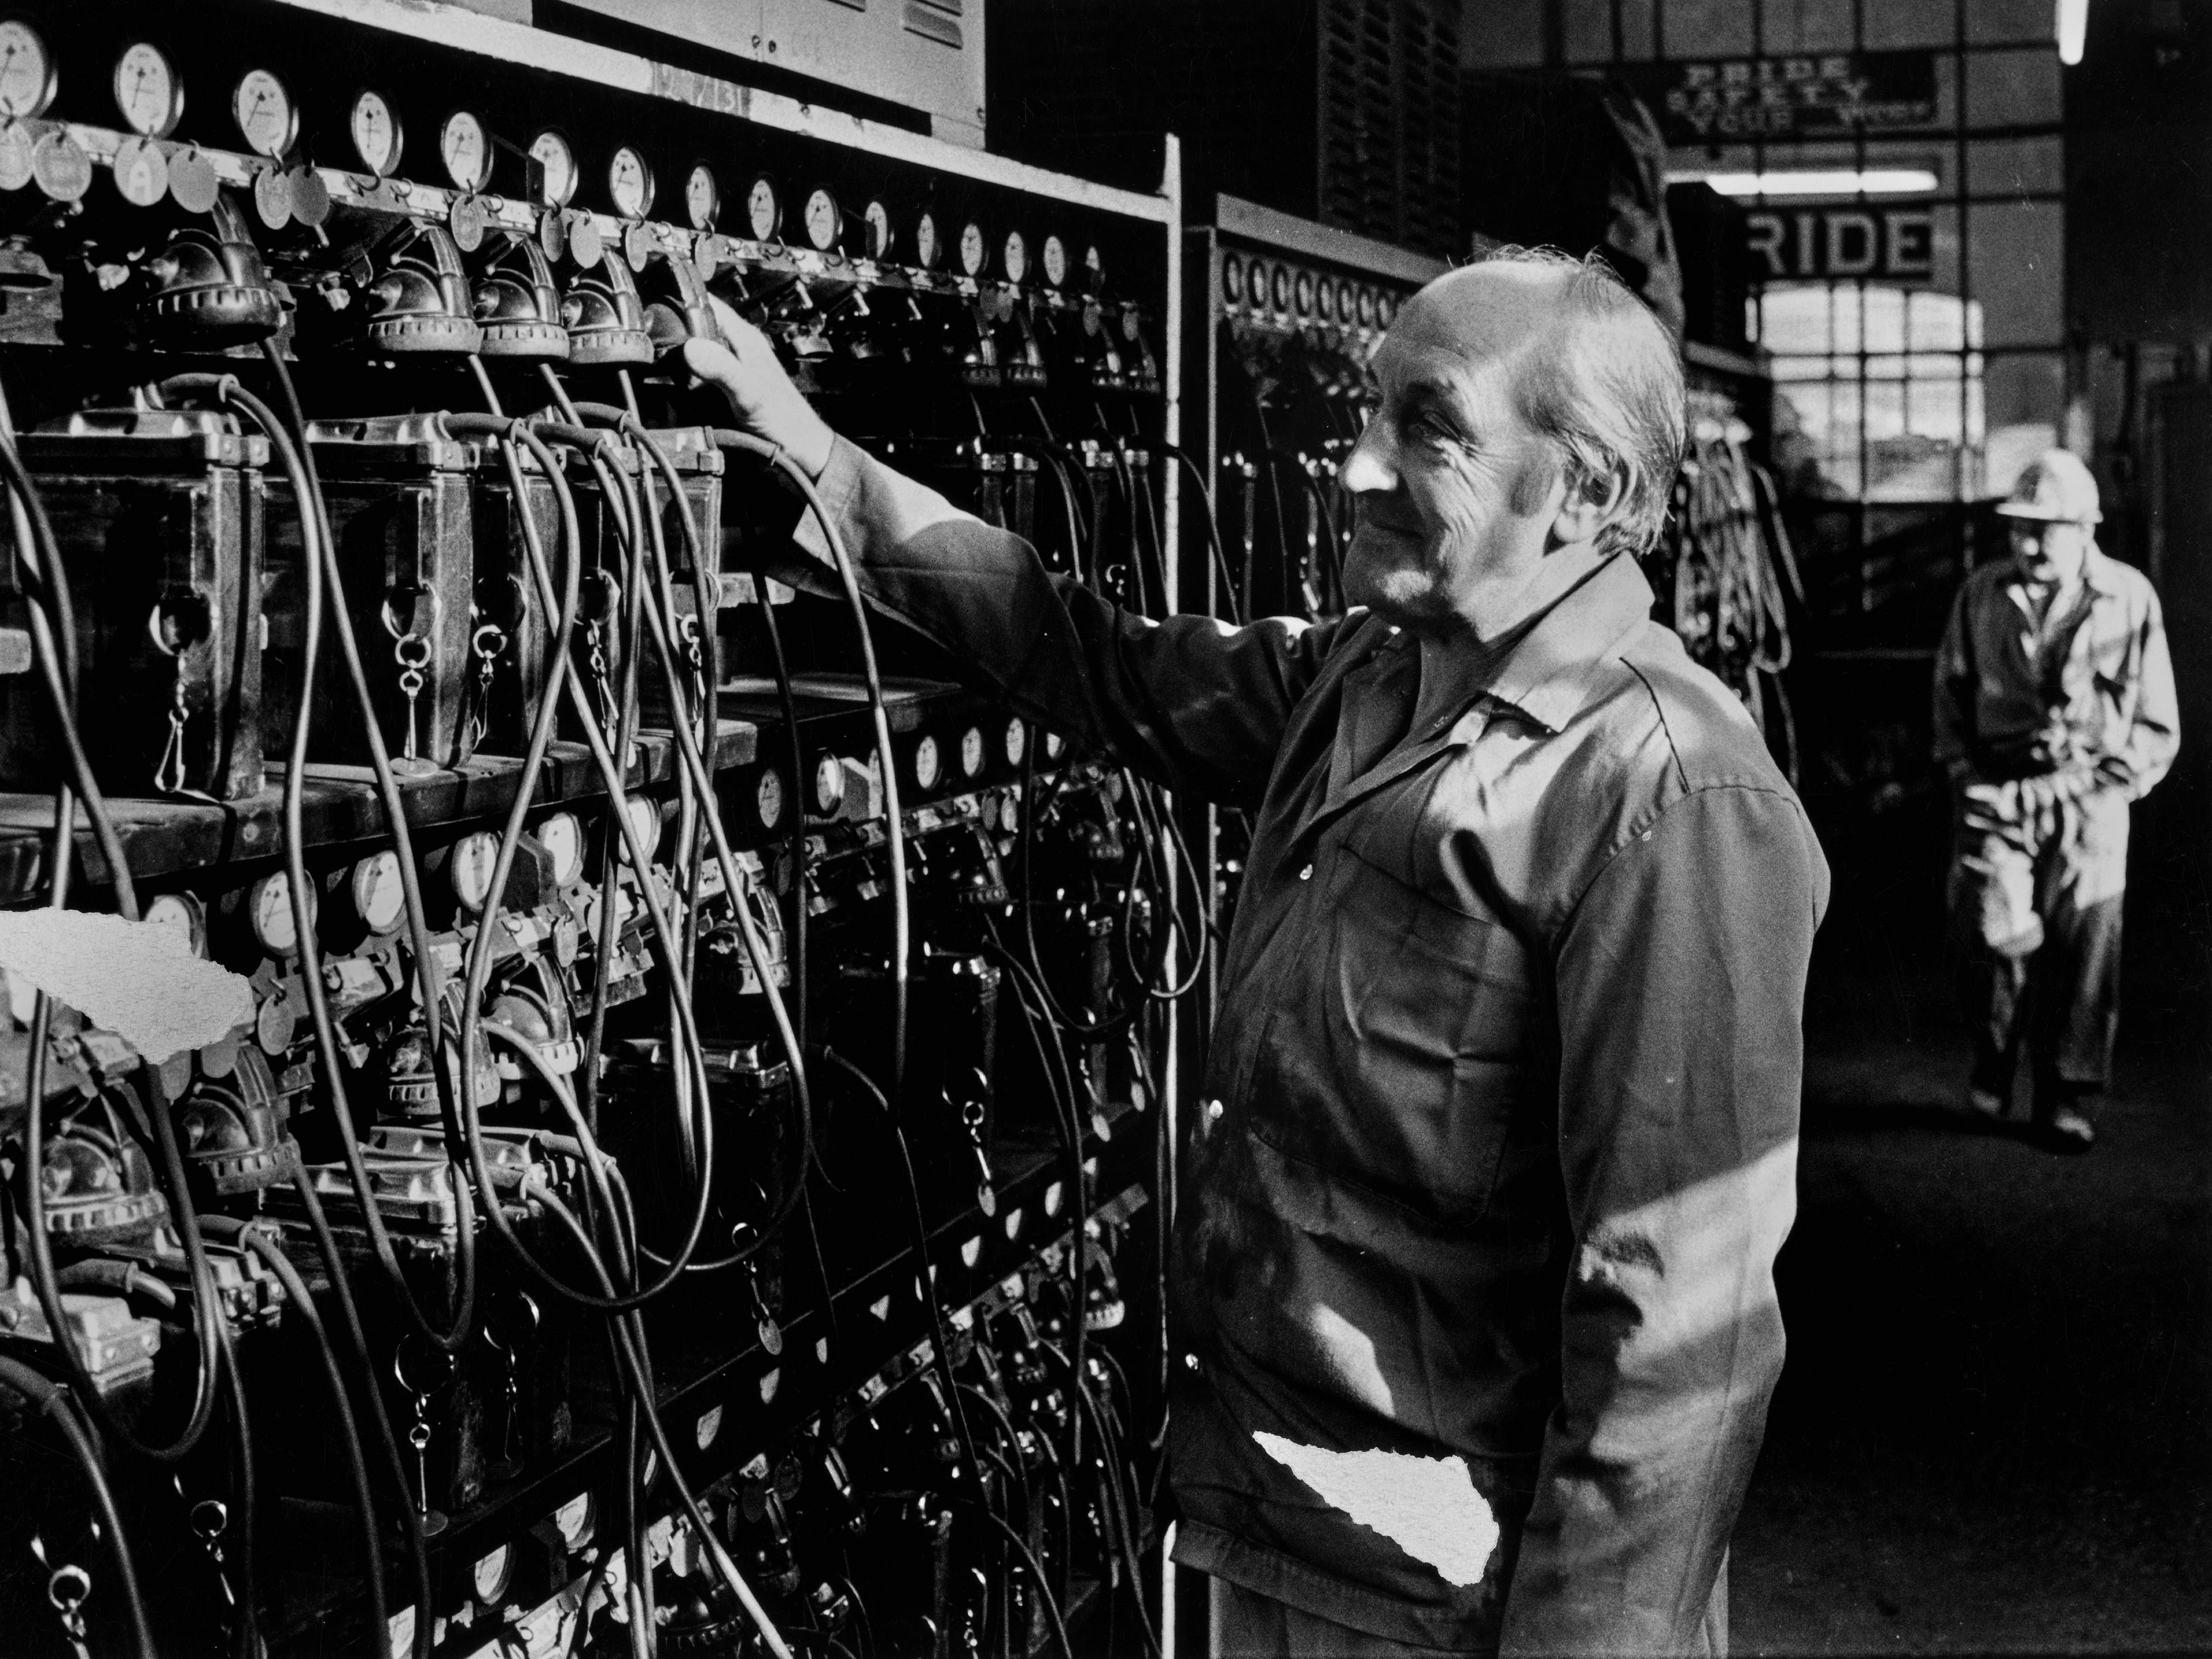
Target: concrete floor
x,y
1994,1434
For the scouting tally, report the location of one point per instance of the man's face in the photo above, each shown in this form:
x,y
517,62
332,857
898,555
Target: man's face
x,y
1454,493
2048,551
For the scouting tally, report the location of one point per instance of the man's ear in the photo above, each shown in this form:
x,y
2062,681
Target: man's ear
x,y
1593,500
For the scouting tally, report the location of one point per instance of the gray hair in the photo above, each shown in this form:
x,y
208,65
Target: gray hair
x,y
1608,389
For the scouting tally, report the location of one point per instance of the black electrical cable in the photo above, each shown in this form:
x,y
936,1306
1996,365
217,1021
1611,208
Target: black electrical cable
x,y
1118,481
998,1413
1106,1422
1020,1470
736,885
1052,1062
682,1005
1121,1522
925,1281
689,869
887,760
1297,465
1332,571
54,648
611,1192
1033,813
707,601
595,1018
1051,1602
1101,507
1146,522
603,943
1060,1086
479,965
1121,1471
1213,529
637,1581
113,1278
797,931
357,1458
38,1250
50,1398
1051,1455
1076,554
426,962
624,740
705,593
789,704
58,663
630,1345
245,1636
1274,485
1148,976
1013,1480
999,1609
334,1265
319,568
1157,821
1082,526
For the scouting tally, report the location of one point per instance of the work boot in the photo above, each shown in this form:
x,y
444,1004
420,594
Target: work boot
x,y
2065,1113
2069,1131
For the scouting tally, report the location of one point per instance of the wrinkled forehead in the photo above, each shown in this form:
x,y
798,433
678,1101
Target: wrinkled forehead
x,y
1471,330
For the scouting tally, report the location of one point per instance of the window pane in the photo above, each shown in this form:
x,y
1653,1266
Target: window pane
x,y
1884,311
1891,23
2013,88
1794,319
1935,408
1885,412
1902,420
1934,322
2009,22
2015,167
1709,28
2017,259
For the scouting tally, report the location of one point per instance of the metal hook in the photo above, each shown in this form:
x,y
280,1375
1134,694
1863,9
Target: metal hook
x,y
393,626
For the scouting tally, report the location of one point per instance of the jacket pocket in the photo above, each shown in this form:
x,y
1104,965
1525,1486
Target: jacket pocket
x,y
1397,1055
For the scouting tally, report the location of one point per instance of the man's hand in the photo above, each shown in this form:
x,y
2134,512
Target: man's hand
x,y
761,397
2042,805
1990,807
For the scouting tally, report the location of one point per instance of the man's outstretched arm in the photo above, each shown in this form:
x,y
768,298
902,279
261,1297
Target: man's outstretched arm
x,y
1189,700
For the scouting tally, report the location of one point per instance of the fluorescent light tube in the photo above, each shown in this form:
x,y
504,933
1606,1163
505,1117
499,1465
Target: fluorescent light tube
x,y
1818,181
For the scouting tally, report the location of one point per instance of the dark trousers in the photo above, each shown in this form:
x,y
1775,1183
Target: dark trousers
x,y
2036,910
1249,1625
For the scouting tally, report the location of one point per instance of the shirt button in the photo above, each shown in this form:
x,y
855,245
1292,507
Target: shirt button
x,y
1214,1108
1306,874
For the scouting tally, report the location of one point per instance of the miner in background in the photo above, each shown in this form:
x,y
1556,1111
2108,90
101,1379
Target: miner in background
x,y
2054,710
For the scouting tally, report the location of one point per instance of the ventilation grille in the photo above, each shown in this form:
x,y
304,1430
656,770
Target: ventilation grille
x,y
1389,106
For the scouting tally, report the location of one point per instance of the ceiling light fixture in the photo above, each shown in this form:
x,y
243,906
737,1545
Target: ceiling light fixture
x,y
2072,25
1818,181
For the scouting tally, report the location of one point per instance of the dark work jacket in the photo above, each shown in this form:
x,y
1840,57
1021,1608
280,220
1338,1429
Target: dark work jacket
x,y
2089,690
1499,1136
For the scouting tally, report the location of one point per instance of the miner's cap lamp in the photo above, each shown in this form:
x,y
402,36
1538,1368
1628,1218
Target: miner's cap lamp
x,y
2056,487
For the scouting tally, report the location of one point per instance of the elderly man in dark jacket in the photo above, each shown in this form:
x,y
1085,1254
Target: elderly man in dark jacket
x,y
1474,1293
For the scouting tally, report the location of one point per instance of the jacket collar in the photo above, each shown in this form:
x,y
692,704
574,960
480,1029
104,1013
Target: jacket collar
x,y
1547,677
2100,574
